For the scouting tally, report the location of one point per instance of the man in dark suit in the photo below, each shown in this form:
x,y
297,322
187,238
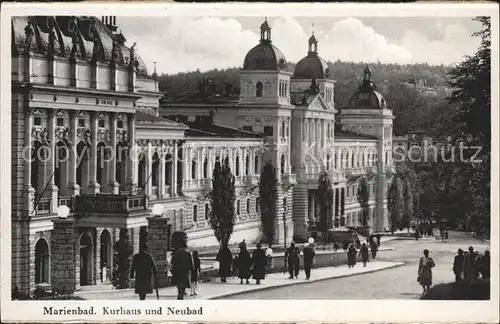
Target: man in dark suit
x,y
143,266
308,260
182,264
458,265
292,256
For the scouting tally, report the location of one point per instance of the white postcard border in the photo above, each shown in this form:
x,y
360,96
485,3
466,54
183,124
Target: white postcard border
x,y
261,310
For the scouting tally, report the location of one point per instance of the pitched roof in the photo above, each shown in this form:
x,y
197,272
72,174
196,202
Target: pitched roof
x,y
143,118
205,126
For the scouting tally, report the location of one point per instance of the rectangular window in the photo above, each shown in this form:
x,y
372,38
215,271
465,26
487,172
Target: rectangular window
x,y
60,122
207,212
247,128
101,123
81,122
248,206
257,204
195,213
119,124
268,131
37,121
238,207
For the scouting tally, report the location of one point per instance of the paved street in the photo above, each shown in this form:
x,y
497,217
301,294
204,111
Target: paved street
x,y
395,283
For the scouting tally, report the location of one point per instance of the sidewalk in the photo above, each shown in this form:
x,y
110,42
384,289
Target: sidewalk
x,y
217,290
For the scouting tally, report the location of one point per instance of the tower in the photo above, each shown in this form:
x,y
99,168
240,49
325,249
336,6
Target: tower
x,y
264,107
367,114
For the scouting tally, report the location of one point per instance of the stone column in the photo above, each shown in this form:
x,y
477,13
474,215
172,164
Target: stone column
x,y
149,169
50,164
94,187
74,187
62,247
174,169
162,176
114,186
132,157
94,83
29,191
158,241
73,74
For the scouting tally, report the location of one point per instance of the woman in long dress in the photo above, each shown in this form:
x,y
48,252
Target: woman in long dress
x,y
244,264
225,259
259,261
351,256
425,271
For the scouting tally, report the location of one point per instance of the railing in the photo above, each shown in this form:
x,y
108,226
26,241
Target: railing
x,y
43,206
288,178
109,204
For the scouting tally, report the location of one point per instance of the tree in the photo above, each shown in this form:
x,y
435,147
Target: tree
x,y
268,194
408,202
222,199
394,202
122,253
471,80
363,197
325,202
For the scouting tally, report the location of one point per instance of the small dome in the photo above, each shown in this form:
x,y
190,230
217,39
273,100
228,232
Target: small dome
x,y
311,67
264,56
366,97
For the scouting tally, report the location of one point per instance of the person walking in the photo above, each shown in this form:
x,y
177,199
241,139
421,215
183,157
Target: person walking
x,y
417,233
143,266
195,273
470,267
458,265
293,256
351,256
182,264
378,239
425,271
485,265
374,249
225,259
259,261
244,263
309,255
364,253
446,235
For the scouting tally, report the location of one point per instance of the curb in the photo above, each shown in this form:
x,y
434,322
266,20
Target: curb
x,y
262,288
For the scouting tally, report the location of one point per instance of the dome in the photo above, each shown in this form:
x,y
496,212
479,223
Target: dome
x,y
65,30
311,67
264,56
366,97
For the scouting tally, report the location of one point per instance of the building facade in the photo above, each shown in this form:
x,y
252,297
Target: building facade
x,y
89,133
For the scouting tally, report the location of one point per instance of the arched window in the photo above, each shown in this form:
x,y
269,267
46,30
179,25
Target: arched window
x,y
121,164
60,175
82,151
328,162
41,261
193,169
205,168
256,164
286,90
142,171
258,89
247,165
169,160
38,155
155,176
283,128
237,166
283,164
101,157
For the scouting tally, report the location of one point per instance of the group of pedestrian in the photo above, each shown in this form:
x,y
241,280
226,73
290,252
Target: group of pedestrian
x,y
364,251
424,229
470,265
246,265
444,234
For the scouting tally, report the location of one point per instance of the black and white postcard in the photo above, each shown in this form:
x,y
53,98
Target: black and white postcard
x,y
249,162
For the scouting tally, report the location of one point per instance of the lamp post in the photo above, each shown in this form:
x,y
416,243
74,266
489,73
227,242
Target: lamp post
x,y
284,221
157,210
63,211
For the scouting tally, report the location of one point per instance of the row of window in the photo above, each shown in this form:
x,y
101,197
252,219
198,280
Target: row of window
x,y
283,89
308,132
194,167
352,190
238,209
37,121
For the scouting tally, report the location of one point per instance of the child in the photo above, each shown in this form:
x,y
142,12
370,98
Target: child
x,y
195,273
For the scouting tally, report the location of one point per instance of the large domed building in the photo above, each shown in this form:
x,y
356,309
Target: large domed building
x,y
312,66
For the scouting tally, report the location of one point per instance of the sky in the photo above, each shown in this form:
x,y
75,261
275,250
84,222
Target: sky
x,y
182,44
